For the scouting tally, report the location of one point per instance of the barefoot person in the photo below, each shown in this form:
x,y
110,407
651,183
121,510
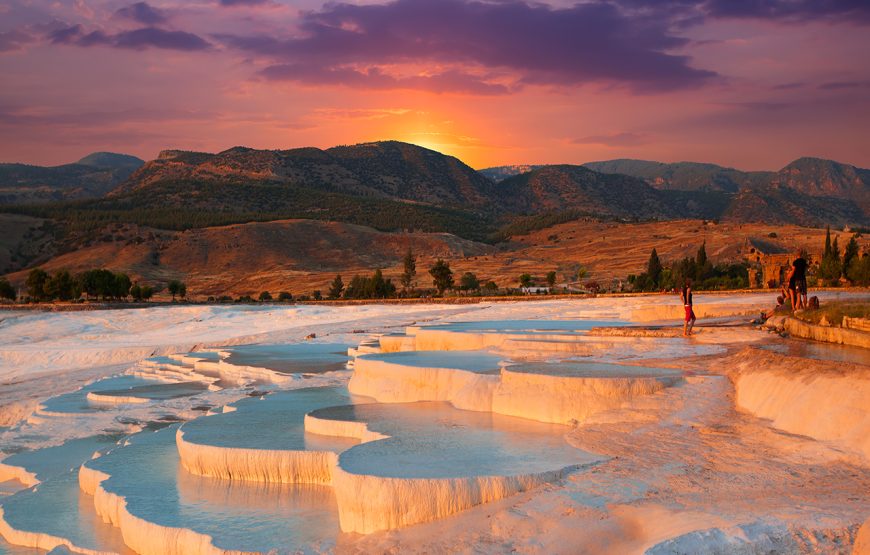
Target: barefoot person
x,y
797,283
686,297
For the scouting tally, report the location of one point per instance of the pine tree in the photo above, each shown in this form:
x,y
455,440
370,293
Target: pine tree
x,y
410,269
6,290
469,282
336,288
36,282
442,276
551,279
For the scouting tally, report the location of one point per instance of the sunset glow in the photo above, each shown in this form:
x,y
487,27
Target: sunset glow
x,y
491,83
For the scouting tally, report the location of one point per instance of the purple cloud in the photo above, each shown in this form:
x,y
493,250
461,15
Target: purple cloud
x,y
143,13
840,85
613,139
374,78
231,3
138,39
789,86
856,11
586,43
14,40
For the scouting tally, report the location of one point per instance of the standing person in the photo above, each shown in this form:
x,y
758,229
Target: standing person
x,y
797,283
800,273
686,297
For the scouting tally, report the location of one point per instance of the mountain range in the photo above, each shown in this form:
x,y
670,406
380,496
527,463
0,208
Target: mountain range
x,y
395,186
91,177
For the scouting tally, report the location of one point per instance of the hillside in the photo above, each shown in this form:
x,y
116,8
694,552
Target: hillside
x,y
91,177
302,255
111,160
552,188
398,187
817,177
293,255
389,170
498,173
684,176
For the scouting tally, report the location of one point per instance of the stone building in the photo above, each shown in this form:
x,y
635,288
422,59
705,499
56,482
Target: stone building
x,y
769,263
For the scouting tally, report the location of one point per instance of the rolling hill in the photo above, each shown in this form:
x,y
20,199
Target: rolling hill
x,y
684,176
552,188
389,170
376,189
91,177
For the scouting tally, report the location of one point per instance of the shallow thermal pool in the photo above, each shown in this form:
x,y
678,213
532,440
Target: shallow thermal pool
x,y
580,369
236,514
820,351
436,440
275,421
57,506
471,361
77,401
296,358
525,326
156,392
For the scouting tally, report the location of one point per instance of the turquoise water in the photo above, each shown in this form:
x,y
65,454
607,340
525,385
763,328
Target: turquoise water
x,y
157,391
296,358
592,370
57,506
471,361
436,440
274,422
820,351
9,549
237,515
526,326
77,401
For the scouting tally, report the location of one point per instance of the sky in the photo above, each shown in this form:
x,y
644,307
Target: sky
x,y
751,84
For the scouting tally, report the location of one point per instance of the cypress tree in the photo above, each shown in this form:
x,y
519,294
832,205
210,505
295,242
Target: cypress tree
x,y
654,267
850,253
827,252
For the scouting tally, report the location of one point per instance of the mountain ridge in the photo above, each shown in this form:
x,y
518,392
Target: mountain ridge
x,y
396,186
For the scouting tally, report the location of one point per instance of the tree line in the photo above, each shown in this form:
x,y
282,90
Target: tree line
x,y
703,273
851,265
98,284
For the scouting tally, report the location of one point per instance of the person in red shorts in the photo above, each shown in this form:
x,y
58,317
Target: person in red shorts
x,y
686,297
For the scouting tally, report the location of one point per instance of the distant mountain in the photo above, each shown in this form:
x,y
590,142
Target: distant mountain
x,y
111,160
92,176
684,176
782,205
395,186
499,173
388,170
817,177
565,187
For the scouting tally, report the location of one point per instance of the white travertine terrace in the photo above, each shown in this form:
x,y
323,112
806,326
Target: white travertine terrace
x,y
369,504
40,540
806,397
95,397
571,393
143,536
419,462
394,378
391,475
21,474
259,465
562,394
